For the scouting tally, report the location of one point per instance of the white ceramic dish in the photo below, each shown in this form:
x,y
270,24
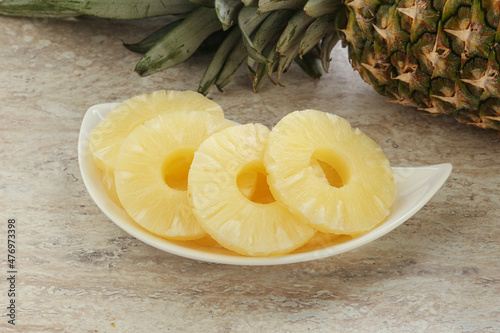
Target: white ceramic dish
x,y
414,187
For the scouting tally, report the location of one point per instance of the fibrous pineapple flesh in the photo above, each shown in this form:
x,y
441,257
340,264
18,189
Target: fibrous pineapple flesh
x,y
151,171
108,136
335,176
250,224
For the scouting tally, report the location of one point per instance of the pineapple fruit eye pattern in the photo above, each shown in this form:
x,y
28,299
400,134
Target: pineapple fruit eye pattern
x,y
438,56
183,175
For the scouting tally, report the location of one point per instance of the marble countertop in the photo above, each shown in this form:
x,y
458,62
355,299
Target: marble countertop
x,y
76,271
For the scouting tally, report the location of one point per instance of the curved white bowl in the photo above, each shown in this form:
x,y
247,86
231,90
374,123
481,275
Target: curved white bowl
x,y
414,187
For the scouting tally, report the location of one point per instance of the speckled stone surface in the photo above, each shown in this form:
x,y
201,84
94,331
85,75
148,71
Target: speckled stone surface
x,y
78,272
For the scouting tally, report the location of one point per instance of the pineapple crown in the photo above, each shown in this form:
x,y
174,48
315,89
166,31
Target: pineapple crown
x,y
266,35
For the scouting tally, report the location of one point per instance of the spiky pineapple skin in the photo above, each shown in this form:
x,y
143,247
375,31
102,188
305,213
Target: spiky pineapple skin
x,y
439,56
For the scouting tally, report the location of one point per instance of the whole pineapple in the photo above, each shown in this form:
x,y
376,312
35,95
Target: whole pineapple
x,y
440,56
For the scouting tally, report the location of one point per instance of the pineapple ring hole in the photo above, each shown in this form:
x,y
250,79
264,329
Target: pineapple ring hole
x,y
252,183
331,165
175,168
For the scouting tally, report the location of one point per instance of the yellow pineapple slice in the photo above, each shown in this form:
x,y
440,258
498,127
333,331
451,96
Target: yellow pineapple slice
x,y
108,181
337,177
152,167
249,222
108,136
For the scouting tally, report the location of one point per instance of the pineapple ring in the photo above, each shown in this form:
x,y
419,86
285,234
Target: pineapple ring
x,y
151,171
224,211
337,177
108,136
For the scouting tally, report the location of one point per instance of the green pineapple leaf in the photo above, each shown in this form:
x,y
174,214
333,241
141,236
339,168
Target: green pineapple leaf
x,y
34,8
227,11
233,62
271,5
250,3
294,31
145,44
327,44
248,21
268,32
311,64
318,8
218,60
179,43
315,32
125,9
286,58
203,3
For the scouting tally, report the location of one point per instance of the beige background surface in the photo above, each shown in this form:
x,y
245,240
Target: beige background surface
x,y
78,272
